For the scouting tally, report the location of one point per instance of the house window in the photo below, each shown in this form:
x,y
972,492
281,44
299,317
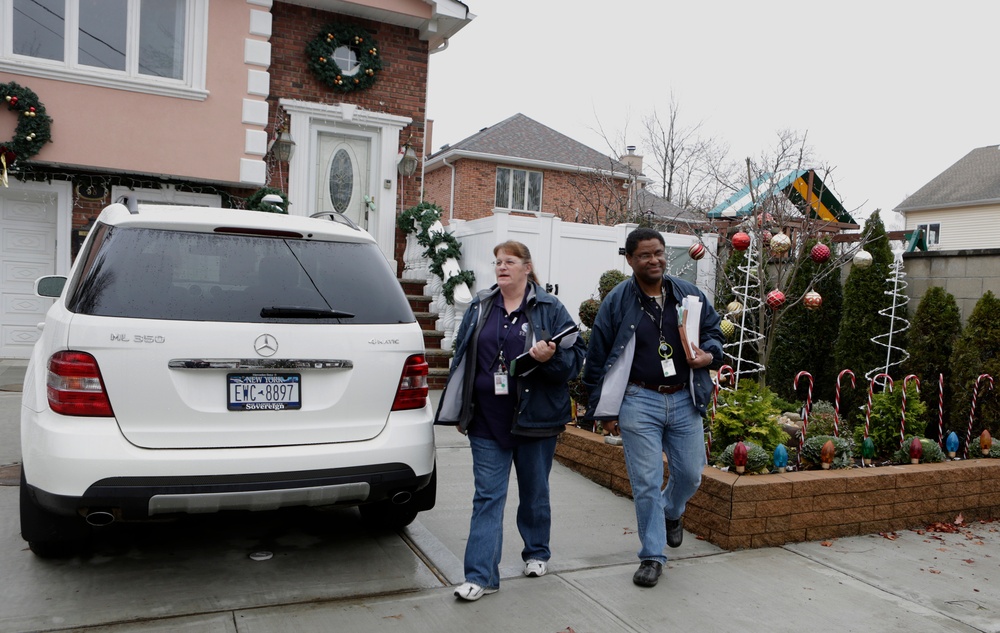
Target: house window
x,y
932,233
519,189
156,46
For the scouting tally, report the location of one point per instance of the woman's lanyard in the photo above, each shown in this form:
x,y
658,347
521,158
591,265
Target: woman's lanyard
x,y
664,349
500,383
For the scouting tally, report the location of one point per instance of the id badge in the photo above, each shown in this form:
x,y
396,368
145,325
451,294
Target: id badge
x,y
668,367
500,383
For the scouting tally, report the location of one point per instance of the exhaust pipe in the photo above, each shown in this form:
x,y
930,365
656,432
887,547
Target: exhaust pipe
x,y
100,518
401,497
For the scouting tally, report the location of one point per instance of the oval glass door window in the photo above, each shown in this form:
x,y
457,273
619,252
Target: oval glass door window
x,y
341,180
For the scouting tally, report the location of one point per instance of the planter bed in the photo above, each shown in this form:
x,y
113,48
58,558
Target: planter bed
x,y
748,511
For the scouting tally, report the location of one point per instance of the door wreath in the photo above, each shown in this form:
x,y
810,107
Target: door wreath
x,y
322,51
33,126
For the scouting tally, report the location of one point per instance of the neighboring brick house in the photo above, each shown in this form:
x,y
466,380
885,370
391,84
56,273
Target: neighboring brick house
x,y
529,168
193,102
956,211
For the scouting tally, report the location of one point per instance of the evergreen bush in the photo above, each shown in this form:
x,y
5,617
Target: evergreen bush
x,y
936,326
977,351
749,414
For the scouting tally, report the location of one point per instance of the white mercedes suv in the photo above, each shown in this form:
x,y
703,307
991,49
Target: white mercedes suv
x,y
200,360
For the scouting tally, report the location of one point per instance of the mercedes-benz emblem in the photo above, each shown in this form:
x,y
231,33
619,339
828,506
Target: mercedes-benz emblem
x,y
266,345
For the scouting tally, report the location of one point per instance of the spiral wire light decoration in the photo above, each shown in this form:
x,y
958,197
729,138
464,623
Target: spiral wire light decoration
x,y
897,324
748,294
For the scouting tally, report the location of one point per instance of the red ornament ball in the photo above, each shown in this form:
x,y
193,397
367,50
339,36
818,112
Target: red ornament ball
x,y
820,253
697,250
765,237
775,299
741,241
812,300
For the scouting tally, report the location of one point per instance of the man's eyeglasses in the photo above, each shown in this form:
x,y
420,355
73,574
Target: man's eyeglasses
x,y
645,257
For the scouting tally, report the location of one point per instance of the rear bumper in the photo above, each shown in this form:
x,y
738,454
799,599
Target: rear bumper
x,y
137,498
85,464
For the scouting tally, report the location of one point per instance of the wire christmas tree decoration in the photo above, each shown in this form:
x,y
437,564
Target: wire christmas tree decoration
x,y
897,324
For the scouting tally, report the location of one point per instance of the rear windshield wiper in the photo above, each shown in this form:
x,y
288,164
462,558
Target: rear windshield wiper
x,y
298,312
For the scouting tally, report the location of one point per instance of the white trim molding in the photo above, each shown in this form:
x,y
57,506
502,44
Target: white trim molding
x,y
303,116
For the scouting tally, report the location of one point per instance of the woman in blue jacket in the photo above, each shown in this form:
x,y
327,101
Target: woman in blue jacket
x,y
510,419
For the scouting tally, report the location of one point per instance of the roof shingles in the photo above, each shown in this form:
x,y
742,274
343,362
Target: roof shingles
x,y
973,179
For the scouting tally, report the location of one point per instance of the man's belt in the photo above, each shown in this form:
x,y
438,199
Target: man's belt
x,y
659,388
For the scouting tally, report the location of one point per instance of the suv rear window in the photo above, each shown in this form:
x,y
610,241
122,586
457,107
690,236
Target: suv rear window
x,y
156,274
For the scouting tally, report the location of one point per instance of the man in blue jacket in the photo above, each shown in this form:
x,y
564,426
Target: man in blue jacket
x,y
643,385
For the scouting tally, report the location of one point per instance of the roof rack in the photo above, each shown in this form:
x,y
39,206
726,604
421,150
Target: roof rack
x,y
131,203
334,216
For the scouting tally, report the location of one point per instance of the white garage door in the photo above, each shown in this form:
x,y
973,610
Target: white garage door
x,y
28,222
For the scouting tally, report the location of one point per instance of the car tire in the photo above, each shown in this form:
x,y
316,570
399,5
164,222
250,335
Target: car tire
x,y
50,535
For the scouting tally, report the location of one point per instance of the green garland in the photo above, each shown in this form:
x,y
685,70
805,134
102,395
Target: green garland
x,y
439,247
331,37
34,127
256,201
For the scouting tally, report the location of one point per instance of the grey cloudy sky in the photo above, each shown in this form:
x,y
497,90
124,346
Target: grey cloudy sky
x,y
890,93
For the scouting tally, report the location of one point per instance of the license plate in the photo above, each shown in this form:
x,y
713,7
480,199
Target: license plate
x,y
264,392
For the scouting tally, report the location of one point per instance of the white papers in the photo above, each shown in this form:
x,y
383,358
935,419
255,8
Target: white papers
x,y
689,324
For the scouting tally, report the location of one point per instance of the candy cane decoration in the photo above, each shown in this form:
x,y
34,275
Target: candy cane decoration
x,y
941,411
902,422
972,412
805,418
715,404
871,388
836,400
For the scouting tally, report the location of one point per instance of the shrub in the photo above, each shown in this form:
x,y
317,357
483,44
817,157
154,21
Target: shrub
x,y
588,311
932,452
886,419
813,446
609,279
758,460
749,414
936,326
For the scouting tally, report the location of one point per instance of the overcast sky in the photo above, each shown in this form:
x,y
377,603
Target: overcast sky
x,y
890,93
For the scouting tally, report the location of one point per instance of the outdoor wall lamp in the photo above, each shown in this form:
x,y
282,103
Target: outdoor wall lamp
x,y
407,163
282,146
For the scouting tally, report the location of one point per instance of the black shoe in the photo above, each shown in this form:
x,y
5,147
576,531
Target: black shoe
x,y
675,532
648,573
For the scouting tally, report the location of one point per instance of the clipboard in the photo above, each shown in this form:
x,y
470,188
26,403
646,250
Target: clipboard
x,y
689,324
524,363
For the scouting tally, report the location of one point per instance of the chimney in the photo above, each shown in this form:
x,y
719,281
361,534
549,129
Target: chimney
x,y
429,138
633,160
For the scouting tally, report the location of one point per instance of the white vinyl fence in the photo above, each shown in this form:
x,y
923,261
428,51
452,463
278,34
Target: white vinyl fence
x,y
569,259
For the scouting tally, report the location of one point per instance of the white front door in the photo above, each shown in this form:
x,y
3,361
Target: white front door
x,y
344,174
28,226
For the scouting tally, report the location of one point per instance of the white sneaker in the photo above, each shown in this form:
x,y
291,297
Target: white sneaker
x,y
471,591
535,568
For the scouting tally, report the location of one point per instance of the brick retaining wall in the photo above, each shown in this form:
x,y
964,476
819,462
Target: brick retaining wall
x,y
737,512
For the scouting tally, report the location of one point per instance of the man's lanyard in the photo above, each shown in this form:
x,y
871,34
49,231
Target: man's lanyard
x,y
664,348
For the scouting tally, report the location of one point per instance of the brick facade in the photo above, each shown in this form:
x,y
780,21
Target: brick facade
x,y
750,511
567,195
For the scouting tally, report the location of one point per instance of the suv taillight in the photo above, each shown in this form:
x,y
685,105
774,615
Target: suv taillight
x,y
412,390
75,387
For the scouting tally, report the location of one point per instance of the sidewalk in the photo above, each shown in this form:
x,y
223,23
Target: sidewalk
x,y
352,581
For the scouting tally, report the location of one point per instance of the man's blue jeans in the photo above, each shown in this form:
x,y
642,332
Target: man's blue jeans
x,y
491,471
652,424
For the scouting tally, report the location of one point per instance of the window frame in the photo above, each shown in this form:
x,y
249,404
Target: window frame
x,y
525,189
931,229
69,69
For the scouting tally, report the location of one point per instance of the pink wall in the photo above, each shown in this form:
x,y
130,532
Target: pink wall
x,y
109,129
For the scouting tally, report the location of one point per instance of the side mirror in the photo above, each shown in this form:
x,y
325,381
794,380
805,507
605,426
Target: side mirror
x,y
50,285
